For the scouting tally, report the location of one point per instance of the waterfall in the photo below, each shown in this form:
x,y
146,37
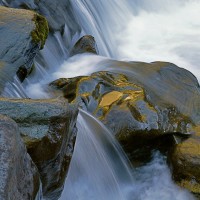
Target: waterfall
x,y
132,30
142,30
100,170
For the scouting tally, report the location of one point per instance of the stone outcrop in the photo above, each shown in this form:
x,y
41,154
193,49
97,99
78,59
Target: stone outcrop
x,y
48,130
19,175
22,34
141,103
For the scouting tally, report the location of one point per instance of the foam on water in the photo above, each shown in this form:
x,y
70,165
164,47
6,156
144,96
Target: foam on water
x,y
164,31
143,30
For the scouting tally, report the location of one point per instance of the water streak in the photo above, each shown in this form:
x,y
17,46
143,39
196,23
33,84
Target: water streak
x,y
100,170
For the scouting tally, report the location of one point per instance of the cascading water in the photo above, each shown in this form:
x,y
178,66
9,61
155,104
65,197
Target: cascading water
x,y
145,30
100,170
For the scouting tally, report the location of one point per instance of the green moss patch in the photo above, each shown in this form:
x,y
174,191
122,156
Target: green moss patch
x,y
40,33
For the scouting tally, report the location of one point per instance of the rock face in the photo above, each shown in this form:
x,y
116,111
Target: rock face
x,y
48,130
19,176
141,103
22,34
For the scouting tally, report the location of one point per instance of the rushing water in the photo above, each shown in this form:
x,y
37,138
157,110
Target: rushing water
x,y
142,30
100,170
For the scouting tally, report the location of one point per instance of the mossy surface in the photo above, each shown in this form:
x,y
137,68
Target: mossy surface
x,y
40,33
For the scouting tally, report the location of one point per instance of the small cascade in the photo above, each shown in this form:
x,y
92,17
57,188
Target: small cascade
x,y
14,89
99,168
124,30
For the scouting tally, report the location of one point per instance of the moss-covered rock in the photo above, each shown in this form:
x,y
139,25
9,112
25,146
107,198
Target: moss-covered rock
x,y
57,13
48,130
40,33
22,34
19,177
142,104
185,162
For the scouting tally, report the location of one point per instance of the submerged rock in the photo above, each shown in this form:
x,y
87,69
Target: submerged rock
x,y
19,177
22,34
141,103
48,130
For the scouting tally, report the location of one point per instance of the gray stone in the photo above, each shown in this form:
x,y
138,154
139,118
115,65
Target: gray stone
x,y
48,130
22,34
85,44
19,177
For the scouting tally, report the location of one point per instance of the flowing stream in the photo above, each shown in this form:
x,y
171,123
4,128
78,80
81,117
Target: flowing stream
x,y
139,30
100,170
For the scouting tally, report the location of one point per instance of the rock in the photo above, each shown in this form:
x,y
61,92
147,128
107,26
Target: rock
x,y
48,130
185,163
19,177
22,34
57,13
85,44
63,26
142,104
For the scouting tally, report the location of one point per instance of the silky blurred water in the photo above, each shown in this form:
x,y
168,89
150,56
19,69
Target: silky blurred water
x,y
131,30
100,170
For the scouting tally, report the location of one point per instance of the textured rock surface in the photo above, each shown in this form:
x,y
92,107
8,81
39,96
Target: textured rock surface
x,y
48,130
22,34
185,162
19,176
57,13
86,44
139,102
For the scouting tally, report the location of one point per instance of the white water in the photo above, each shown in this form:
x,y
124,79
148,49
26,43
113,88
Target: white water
x,y
163,30
99,170
134,30
142,30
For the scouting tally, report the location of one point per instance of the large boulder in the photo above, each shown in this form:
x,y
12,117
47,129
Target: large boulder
x,y
141,103
22,34
48,130
19,177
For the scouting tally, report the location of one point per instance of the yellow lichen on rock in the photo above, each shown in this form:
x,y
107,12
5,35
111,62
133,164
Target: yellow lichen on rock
x,y
109,98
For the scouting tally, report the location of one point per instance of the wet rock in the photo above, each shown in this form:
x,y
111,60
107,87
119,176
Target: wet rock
x,y
185,163
57,13
142,104
22,34
86,44
19,177
48,130
63,26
